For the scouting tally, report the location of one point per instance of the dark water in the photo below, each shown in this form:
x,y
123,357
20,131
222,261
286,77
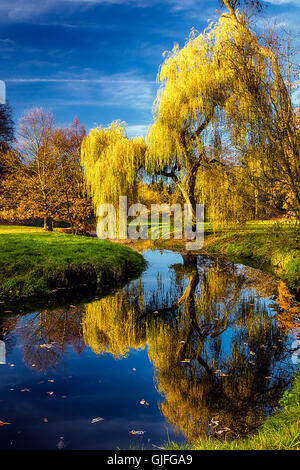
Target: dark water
x,y
201,341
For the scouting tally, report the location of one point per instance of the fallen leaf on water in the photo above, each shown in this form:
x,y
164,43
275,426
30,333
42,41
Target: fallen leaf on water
x,y
61,444
134,369
45,420
138,433
2,423
41,382
12,365
144,402
51,380
50,393
269,377
95,420
25,390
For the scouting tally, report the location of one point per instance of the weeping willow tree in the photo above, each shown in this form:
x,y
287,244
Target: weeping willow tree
x,y
111,162
224,80
195,86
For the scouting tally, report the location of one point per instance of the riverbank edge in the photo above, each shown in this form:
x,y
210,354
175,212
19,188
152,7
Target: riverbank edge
x,y
98,264
279,431
267,252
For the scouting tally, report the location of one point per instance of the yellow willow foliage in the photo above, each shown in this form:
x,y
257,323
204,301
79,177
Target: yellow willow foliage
x,y
226,194
197,84
111,325
110,162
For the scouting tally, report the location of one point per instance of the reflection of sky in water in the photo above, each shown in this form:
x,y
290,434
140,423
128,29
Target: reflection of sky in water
x,y
87,386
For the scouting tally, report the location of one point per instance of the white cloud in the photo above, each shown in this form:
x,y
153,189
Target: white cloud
x,y
136,130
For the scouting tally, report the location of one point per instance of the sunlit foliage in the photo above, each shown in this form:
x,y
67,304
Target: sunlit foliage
x,y
111,162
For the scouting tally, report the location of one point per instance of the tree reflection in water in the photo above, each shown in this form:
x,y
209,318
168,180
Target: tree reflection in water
x,y
221,359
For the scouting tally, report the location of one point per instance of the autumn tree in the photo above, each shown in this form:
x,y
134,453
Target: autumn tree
x,y
77,208
44,177
40,167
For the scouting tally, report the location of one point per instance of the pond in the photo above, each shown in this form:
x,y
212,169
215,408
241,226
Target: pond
x,y
197,346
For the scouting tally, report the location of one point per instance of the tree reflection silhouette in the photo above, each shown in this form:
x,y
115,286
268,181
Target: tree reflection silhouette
x,y
221,360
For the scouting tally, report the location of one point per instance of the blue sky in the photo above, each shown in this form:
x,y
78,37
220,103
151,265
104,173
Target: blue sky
x,y
98,59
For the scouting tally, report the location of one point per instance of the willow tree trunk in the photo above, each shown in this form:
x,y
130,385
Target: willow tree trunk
x,y
48,224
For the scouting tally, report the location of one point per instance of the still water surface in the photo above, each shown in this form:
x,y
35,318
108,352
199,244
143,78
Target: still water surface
x,y
196,346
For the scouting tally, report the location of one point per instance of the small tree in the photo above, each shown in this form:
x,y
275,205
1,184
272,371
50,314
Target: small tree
x,y
111,163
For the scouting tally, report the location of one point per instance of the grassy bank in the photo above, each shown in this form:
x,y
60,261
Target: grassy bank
x,y
263,243
280,431
267,245
33,262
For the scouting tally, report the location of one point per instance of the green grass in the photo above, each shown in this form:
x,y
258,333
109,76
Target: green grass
x,y
264,244
33,262
280,431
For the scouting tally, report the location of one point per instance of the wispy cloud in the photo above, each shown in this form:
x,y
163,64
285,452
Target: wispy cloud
x,y
19,10
80,80
283,2
120,90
